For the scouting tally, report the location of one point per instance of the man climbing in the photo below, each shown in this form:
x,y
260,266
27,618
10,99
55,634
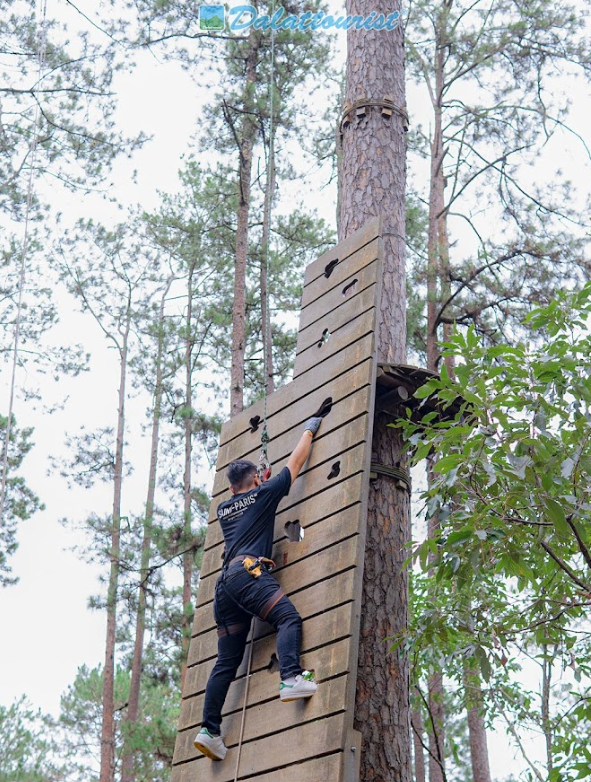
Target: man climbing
x,y
245,588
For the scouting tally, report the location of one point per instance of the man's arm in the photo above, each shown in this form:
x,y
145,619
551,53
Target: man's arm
x,y
302,450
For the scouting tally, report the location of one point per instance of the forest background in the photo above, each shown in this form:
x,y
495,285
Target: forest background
x,y
116,222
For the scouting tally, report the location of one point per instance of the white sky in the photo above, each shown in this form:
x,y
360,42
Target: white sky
x,y
47,630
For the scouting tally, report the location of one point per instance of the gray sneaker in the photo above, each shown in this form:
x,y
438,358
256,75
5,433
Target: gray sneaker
x,y
303,686
212,746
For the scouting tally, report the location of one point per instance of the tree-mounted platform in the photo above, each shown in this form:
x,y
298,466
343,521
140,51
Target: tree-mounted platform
x,y
396,385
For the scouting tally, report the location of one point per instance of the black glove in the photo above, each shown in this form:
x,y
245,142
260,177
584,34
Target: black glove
x,y
313,424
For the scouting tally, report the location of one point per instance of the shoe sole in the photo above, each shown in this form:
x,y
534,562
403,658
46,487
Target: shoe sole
x,y
297,697
207,751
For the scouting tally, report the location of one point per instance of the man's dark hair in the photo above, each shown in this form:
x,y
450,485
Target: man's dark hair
x,y
240,474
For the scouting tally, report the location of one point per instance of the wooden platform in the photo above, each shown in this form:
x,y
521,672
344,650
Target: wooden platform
x,y
335,369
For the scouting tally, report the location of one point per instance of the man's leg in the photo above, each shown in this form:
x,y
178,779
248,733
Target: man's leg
x,y
284,617
233,625
231,645
264,598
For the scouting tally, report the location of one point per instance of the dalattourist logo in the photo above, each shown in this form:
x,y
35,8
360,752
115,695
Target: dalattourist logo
x,y
212,17
241,17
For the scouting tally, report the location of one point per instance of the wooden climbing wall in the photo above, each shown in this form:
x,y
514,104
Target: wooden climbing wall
x,y
335,369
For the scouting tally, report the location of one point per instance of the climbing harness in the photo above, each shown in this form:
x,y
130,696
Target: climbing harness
x,y
254,566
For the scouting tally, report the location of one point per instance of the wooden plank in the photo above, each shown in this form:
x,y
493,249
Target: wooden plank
x,y
311,350
342,273
328,662
326,768
287,395
301,742
335,303
286,552
344,249
332,499
295,576
326,628
327,447
344,407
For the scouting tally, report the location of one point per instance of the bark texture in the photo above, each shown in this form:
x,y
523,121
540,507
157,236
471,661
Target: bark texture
x,y
436,721
418,732
476,727
436,729
373,176
436,270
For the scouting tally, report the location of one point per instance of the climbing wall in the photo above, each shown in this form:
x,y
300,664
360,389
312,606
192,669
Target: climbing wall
x,y
335,372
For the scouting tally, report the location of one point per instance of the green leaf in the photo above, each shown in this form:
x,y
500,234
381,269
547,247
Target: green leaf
x,y
448,463
557,516
483,661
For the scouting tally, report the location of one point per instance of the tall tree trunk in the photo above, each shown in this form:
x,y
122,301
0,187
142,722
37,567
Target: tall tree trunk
x,y
264,279
246,143
435,208
127,771
436,721
546,723
373,180
107,769
189,554
418,732
476,727
436,727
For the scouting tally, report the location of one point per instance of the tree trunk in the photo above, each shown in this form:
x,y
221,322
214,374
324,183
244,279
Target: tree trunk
x,y
436,721
476,727
373,168
127,772
246,143
264,281
107,769
436,727
435,210
418,732
189,554
546,723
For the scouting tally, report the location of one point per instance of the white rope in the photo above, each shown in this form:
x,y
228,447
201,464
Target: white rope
x,y
267,347
41,51
270,166
267,327
243,719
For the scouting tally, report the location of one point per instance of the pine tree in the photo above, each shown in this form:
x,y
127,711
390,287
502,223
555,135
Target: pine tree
x,y
372,182
111,287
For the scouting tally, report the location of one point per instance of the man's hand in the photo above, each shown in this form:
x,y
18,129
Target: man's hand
x,y
302,450
313,424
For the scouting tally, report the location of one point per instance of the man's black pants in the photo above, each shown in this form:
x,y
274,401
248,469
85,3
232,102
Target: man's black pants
x,y
238,597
